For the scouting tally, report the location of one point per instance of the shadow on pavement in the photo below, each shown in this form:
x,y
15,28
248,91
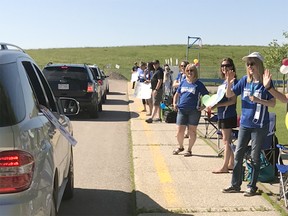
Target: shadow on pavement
x,y
109,202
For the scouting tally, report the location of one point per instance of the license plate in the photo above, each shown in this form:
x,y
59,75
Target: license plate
x,y
63,86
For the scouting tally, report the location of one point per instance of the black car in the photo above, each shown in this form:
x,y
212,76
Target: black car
x,y
76,81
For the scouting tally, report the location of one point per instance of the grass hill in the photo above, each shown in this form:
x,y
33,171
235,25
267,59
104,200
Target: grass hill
x,y
108,57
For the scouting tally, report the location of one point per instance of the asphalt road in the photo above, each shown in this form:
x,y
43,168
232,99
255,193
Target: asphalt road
x,y
102,159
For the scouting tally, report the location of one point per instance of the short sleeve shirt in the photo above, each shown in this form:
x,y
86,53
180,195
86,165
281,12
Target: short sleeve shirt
x,y
190,94
253,115
158,74
224,112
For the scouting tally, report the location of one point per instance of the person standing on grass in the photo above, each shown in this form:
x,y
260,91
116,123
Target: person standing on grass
x,y
187,103
254,122
157,92
227,118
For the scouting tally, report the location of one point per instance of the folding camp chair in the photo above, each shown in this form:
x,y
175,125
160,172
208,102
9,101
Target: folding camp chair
x,y
211,119
282,167
234,136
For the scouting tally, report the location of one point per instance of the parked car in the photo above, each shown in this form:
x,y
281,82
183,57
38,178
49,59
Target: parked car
x,y
36,155
76,81
106,81
100,80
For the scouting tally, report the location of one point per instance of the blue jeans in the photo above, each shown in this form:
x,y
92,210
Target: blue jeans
x,y
257,137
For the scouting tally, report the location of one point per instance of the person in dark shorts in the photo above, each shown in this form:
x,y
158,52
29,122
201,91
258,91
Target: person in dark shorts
x,y
227,118
157,92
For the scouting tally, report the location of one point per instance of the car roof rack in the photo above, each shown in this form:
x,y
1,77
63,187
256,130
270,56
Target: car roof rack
x,y
7,46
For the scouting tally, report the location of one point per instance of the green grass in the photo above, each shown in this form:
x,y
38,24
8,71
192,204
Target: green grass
x,y
209,57
107,57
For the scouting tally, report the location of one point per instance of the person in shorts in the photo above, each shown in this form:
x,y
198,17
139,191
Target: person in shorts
x,y
187,103
157,92
227,118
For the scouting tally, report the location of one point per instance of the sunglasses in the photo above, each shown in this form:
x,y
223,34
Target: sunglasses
x,y
226,65
190,70
182,65
250,63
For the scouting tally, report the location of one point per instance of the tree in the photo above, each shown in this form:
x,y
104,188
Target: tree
x,y
275,54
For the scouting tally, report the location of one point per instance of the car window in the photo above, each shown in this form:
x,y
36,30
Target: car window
x,y
50,96
12,106
37,86
67,72
95,73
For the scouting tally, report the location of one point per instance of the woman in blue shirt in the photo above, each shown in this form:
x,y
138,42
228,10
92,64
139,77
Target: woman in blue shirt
x,y
187,101
254,122
227,118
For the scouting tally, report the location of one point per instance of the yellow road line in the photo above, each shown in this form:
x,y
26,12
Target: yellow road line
x,y
168,190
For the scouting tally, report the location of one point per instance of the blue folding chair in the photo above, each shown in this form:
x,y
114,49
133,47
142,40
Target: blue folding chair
x,y
283,172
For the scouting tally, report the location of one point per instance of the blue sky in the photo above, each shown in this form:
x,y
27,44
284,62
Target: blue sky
x,y
33,24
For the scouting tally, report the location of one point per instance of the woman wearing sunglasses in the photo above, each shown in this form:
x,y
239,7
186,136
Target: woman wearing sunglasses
x,y
187,103
254,122
227,117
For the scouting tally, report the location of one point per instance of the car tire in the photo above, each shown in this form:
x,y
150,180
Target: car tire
x,y
94,111
103,98
69,189
100,106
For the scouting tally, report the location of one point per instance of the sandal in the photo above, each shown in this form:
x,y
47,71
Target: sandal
x,y
188,154
177,151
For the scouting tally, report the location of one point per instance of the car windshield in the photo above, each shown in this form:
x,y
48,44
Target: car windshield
x,y
12,106
65,72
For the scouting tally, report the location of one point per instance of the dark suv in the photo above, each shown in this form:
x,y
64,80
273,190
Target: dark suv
x,y
101,80
36,157
76,81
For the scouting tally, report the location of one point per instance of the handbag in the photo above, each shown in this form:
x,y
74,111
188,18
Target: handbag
x,y
267,172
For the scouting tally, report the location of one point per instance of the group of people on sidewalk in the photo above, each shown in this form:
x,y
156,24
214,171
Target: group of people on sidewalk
x,y
257,94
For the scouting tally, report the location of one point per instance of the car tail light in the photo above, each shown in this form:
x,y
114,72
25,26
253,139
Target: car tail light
x,y
100,82
90,87
16,171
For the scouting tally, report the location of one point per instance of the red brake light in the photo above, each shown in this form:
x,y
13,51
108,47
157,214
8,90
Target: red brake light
x,y
100,82
64,67
90,87
16,171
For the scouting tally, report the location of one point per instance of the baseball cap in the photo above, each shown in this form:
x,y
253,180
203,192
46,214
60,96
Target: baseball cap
x,y
156,62
254,55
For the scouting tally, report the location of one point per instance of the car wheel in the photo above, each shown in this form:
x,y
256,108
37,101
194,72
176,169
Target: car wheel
x,y
103,98
100,106
94,111
69,189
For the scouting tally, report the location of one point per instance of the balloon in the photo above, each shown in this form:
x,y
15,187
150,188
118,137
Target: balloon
x,y
195,61
285,61
163,106
284,69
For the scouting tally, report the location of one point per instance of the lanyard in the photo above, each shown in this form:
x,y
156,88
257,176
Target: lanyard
x,y
253,88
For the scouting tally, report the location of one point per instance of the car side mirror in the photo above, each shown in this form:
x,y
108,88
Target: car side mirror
x,y
69,106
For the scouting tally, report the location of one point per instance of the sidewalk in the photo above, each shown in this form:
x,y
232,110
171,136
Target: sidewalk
x,y
185,185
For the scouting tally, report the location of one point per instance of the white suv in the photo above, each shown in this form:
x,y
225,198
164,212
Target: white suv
x,y
36,157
